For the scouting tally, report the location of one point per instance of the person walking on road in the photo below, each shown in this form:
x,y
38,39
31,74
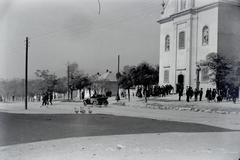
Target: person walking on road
x,y
50,98
200,94
44,100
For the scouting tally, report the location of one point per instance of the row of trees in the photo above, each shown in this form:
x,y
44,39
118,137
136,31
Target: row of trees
x,y
223,71
47,82
144,75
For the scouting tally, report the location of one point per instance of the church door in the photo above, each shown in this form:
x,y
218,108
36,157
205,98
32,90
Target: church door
x,y
181,79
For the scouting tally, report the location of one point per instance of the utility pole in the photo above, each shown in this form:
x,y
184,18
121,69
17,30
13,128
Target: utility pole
x,y
26,74
68,81
117,96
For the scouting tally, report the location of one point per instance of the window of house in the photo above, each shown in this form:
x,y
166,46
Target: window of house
x,y
204,74
167,43
205,35
166,76
181,40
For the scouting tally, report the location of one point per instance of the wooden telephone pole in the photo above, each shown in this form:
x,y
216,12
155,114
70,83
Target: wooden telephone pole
x,y
26,74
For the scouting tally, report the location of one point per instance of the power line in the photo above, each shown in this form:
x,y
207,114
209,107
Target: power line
x,y
94,19
97,23
100,25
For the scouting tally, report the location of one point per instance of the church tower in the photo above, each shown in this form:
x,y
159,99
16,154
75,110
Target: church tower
x,y
191,29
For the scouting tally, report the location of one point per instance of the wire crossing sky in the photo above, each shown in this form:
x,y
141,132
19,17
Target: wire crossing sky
x,y
89,32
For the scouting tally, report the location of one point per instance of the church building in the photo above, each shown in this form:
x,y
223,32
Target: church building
x,y
191,29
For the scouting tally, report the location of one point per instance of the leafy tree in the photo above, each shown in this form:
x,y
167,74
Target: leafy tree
x,y
82,81
74,74
10,88
48,81
233,79
61,86
125,79
219,66
144,74
33,87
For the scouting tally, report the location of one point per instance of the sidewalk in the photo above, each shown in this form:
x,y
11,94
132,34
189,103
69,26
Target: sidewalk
x,y
171,102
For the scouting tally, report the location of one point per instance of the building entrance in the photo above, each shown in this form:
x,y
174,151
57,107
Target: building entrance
x,y
181,79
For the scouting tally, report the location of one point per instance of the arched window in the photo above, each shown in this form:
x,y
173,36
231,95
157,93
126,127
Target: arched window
x,y
205,35
167,43
166,76
182,40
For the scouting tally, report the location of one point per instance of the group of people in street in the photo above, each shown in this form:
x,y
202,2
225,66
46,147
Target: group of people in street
x,y
190,93
211,94
160,91
46,99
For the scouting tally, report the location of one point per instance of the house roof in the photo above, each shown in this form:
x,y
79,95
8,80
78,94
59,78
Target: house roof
x,y
111,76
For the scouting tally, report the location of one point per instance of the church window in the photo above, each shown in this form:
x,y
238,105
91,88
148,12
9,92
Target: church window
x,y
167,43
205,35
204,74
183,4
166,76
181,40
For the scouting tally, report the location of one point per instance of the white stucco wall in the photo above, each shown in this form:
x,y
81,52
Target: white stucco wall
x,y
224,36
205,18
229,31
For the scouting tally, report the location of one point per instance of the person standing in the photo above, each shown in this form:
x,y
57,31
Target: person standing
x,y
195,94
83,95
180,93
234,96
188,94
46,98
209,95
214,94
50,98
200,94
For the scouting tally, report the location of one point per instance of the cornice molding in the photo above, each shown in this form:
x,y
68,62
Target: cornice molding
x,y
195,10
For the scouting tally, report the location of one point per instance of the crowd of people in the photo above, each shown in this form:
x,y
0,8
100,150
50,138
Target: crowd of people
x,y
212,95
229,94
160,91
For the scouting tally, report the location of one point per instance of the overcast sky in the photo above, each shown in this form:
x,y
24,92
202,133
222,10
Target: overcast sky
x,y
77,31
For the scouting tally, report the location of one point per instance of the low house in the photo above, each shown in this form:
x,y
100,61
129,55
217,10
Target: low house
x,y
108,82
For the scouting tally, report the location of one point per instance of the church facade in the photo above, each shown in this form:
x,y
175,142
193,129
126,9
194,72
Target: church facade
x,y
191,29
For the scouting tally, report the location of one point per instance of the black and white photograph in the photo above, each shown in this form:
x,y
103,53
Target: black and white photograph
x,y
119,79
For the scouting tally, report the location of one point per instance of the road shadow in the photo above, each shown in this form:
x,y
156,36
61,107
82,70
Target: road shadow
x,y
160,99
25,128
